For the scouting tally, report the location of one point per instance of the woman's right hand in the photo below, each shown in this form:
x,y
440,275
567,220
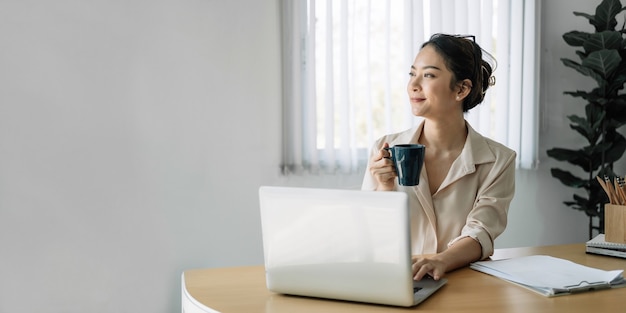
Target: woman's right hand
x,y
381,167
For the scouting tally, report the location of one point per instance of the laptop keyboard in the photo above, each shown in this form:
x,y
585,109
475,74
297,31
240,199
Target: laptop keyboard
x,y
416,289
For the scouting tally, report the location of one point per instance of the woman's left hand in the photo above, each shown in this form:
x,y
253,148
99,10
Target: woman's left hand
x,y
428,266
461,253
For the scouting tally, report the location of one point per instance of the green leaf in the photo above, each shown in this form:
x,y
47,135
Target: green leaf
x,y
586,132
617,148
582,94
589,206
603,62
583,127
619,78
579,157
610,40
595,114
567,178
589,125
576,38
584,70
617,83
582,201
596,151
591,18
579,120
605,15
573,205
561,154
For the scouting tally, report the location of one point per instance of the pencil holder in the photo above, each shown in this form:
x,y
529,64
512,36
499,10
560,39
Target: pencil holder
x,y
615,223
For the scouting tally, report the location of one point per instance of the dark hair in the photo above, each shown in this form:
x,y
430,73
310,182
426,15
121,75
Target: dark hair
x,y
464,58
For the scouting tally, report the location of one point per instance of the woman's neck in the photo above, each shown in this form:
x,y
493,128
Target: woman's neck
x,y
444,136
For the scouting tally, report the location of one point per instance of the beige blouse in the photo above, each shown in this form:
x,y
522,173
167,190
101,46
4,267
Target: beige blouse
x,y
472,201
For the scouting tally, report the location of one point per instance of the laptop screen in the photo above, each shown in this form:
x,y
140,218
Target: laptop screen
x,y
341,244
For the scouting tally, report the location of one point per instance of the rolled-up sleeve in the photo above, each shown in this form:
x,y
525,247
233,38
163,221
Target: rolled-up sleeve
x,y
488,217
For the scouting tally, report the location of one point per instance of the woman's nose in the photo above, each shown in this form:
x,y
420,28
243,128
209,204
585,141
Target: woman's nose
x,y
414,84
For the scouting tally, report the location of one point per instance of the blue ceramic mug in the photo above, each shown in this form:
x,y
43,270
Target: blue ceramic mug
x,y
408,160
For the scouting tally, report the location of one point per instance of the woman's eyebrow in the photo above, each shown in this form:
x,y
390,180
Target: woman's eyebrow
x,y
427,67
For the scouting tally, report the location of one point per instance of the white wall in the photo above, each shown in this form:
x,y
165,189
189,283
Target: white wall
x,y
134,136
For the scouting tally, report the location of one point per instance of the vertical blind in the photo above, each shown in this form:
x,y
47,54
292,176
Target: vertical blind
x,y
346,64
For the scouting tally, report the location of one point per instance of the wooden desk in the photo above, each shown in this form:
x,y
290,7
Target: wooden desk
x,y
242,289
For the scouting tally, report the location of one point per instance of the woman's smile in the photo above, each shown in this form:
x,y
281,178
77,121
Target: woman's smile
x,y
417,99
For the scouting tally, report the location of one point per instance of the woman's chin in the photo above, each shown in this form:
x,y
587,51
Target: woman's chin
x,y
416,111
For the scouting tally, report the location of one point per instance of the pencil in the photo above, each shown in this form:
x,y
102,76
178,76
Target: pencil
x,y
622,189
609,185
618,191
613,189
606,190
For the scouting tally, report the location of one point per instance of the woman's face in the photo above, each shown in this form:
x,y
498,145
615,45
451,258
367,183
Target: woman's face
x,y
429,86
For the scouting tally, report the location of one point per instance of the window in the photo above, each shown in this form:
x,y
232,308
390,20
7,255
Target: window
x,y
345,66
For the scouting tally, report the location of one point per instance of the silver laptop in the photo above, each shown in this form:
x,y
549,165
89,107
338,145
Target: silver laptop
x,y
340,244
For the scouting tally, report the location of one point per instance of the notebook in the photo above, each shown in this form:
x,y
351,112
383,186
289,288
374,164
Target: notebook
x,y
340,244
598,245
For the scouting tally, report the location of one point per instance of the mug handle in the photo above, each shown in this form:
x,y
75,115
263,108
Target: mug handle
x,y
390,157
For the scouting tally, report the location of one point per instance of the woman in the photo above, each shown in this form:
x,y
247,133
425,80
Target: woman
x,y
468,181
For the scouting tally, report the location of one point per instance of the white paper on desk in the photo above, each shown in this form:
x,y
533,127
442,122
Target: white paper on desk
x,y
550,276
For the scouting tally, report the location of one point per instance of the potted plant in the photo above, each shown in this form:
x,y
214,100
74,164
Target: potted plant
x,y
602,58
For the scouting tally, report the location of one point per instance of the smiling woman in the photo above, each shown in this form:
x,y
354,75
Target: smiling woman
x,y
345,65
468,180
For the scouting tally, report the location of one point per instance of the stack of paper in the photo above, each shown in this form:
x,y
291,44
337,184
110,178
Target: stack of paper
x,y
551,276
598,245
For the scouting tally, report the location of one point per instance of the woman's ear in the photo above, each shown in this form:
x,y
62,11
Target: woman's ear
x,y
465,87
